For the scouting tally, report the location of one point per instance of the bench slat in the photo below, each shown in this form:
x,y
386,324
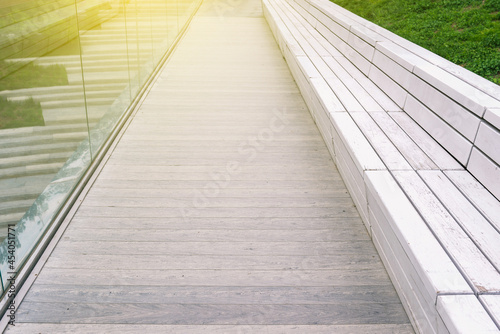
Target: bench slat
x,y
464,314
454,114
386,84
439,273
483,234
367,101
477,269
389,154
485,170
492,304
488,140
435,151
449,138
385,102
478,195
415,156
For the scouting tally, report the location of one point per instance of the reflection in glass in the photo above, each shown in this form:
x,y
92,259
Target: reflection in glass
x,y
68,71
37,98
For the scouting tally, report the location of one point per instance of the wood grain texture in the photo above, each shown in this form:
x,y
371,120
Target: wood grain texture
x,y
199,314
467,256
194,329
256,248
220,209
459,215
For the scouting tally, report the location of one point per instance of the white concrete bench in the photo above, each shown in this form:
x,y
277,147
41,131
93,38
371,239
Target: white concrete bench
x,y
416,139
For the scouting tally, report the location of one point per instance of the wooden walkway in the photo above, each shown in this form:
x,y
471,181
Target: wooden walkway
x,y
220,210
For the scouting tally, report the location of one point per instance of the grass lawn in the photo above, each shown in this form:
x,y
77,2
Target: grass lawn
x,y
31,75
20,114
466,32
29,112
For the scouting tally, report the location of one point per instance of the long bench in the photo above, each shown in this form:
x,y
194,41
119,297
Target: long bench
x,y
416,139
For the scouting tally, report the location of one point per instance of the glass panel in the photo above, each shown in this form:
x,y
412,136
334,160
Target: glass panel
x,y
105,63
42,120
160,30
144,17
68,71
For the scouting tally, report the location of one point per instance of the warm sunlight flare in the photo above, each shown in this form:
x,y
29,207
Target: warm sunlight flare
x,y
68,71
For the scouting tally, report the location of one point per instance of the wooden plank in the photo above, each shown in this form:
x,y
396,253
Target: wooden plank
x,y
346,49
388,86
365,99
353,178
104,234
415,156
194,329
214,314
400,55
326,96
223,177
437,271
334,38
492,305
292,171
291,23
215,136
216,202
492,115
393,70
359,44
248,155
316,185
426,143
378,94
222,145
482,233
348,100
209,262
358,147
385,149
154,277
228,131
485,140
89,211
304,192
457,89
322,119
333,22
355,246
404,278
468,257
456,144
207,223
485,170
464,314
483,200
461,119
214,295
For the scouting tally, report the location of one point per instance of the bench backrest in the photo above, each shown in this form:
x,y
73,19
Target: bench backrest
x,y
458,108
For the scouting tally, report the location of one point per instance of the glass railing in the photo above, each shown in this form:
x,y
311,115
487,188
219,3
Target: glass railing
x,y
69,69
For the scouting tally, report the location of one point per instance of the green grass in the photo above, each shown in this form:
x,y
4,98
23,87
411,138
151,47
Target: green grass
x,y
32,75
28,112
20,114
466,32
